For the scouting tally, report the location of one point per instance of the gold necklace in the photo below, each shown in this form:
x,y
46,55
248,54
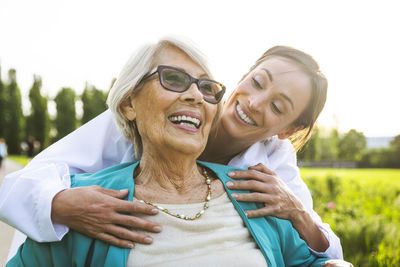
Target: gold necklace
x,y
182,216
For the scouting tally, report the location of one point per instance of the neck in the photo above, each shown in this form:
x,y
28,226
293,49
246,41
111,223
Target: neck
x,y
222,147
169,173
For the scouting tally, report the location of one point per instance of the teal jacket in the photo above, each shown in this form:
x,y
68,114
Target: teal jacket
x,y
276,238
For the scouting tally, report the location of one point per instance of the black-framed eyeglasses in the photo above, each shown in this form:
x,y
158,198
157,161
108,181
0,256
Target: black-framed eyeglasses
x,y
177,80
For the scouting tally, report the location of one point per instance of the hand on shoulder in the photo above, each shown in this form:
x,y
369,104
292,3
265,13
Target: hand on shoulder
x,y
97,212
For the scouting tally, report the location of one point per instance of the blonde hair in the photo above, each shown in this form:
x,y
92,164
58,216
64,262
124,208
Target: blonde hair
x,y
130,78
319,88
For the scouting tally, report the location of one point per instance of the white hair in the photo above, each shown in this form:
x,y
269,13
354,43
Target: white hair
x,y
131,75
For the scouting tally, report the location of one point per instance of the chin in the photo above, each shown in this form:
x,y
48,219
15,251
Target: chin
x,y
188,147
230,128
190,152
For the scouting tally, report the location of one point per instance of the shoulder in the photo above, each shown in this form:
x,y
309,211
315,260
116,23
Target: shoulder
x,y
120,175
282,157
275,145
74,249
270,152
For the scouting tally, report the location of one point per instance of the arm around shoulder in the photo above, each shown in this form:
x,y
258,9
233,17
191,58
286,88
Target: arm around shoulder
x,y
28,193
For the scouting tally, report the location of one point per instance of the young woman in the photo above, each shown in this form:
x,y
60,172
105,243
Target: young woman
x,y
280,97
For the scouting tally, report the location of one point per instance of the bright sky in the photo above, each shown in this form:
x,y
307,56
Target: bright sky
x,y
356,43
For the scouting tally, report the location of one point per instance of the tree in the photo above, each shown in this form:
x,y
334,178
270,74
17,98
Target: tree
x,y
395,151
13,115
38,122
395,143
2,107
312,149
376,158
326,149
329,145
65,121
334,142
352,145
94,103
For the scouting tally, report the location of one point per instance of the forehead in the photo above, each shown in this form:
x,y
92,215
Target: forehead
x,y
175,57
285,72
280,66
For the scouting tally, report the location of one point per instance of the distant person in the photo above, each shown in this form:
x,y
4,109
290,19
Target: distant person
x,y
31,146
3,150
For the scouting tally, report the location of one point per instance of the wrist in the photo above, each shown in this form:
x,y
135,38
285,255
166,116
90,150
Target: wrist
x,y
300,218
56,207
309,231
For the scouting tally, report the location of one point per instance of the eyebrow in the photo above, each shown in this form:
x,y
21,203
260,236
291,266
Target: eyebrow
x,y
288,99
268,73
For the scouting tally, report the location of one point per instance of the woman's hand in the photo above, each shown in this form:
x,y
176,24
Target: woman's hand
x,y
96,212
266,188
337,263
279,201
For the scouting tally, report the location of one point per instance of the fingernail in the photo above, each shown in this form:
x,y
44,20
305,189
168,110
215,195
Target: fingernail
x,y
154,211
157,229
229,184
231,174
124,190
148,240
235,195
131,245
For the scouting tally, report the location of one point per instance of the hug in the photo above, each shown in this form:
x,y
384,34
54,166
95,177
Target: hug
x,y
183,155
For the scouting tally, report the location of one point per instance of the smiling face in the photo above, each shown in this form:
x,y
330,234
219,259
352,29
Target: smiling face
x,y
267,101
169,121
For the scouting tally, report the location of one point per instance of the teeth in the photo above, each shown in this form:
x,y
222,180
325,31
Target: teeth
x,y
243,116
186,120
188,125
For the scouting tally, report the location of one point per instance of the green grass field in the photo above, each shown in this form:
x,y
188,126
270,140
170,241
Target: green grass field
x,y
359,174
363,207
20,159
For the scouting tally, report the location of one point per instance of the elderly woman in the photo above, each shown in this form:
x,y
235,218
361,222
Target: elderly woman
x,y
165,103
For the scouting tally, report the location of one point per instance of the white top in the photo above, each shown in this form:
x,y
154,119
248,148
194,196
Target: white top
x,y
218,238
26,195
3,150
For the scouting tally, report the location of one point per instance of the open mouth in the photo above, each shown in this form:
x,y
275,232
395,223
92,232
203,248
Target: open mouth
x,y
243,116
187,121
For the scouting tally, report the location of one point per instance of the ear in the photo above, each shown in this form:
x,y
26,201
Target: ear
x,y
128,109
289,132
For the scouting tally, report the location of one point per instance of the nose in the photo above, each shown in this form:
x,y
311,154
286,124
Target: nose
x,y
192,95
255,103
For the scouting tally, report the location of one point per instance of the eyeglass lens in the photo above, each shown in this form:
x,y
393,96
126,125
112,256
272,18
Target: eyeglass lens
x,y
179,81
175,80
